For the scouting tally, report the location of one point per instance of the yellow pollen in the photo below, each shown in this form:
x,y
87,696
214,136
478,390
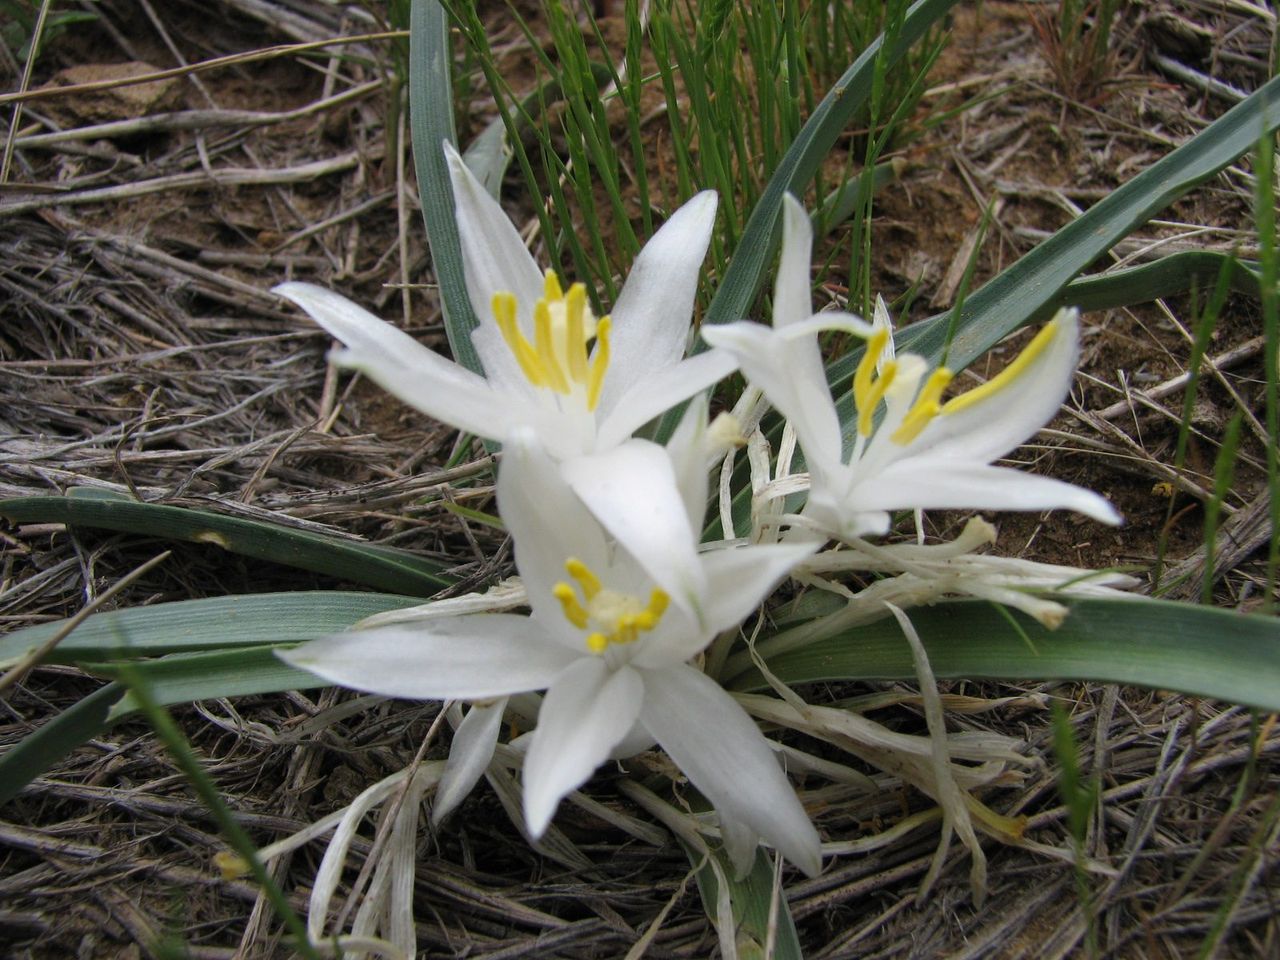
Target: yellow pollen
x,y
869,389
924,409
607,616
1009,374
557,358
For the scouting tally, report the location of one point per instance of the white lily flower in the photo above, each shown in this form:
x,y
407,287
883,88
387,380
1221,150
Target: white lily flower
x,y
535,338
609,638
925,453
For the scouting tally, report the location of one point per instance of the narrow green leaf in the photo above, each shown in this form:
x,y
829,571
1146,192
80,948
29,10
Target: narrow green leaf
x,y
1166,277
751,898
204,625
38,751
395,571
184,677
430,124
1148,643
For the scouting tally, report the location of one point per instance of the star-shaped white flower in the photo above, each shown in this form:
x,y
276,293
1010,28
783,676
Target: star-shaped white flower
x,y
582,384
609,638
924,453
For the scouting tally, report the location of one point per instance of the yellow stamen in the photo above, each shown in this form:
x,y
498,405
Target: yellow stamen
x,y
866,371
1012,372
648,618
504,312
575,333
551,287
867,405
868,388
573,610
610,617
587,581
599,363
545,346
924,409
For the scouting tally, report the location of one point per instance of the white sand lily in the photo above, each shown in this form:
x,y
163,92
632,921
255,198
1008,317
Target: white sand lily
x,y
535,340
609,638
924,453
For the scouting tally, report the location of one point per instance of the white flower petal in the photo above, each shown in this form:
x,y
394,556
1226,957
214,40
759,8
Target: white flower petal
x,y
469,658
997,422
659,392
469,756
687,450
547,522
588,711
722,751
632,491
402,366
791,298
790,373
739,578
947,485
652,316
740,842
495,260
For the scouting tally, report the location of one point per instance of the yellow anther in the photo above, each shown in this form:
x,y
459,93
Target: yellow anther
x,y
504,312
544,343
1012,372
587,580
868,388
551,287
925,408
867,405
866,371
599,363
563,325
610,617
575,308
573,610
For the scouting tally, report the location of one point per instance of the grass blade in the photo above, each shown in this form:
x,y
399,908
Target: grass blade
x,y
430,124
829,119
188,626
36,752
751,899
395,571
184,677
1149,643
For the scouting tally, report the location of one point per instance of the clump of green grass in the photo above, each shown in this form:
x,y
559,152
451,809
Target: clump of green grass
x,y
698,97
1077,45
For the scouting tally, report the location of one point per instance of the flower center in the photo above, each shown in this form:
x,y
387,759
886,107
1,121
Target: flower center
x,y
557,358
608,616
